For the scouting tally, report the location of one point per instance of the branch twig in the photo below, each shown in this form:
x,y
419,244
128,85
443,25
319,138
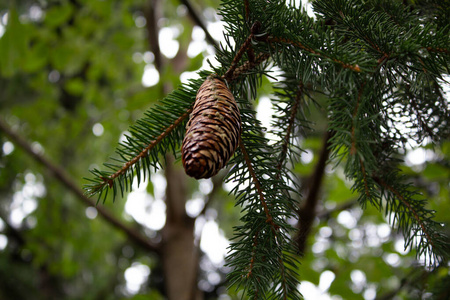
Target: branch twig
x,y
408,205
289,129
194,15
108,180
244,47
355,68
307,212
248,161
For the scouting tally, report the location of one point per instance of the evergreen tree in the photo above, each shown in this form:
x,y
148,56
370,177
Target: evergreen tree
x,y
378,64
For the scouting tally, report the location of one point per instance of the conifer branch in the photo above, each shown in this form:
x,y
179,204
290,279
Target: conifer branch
x,y
402,199
355,114
150,146
109,179
366,184
297,44
248,161
274,228
438,49
290,127
248,65
252,260
244,47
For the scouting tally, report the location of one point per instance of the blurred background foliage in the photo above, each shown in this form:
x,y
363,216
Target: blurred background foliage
x,y
74,75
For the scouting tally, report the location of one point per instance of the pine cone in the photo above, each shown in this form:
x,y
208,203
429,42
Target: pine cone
x,y
213,131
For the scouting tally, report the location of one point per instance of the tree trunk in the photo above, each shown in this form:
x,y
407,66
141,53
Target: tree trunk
x,y
179,253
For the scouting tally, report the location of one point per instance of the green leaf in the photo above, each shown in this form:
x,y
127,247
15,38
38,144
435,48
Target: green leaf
x,y
58,15
75,86
13,45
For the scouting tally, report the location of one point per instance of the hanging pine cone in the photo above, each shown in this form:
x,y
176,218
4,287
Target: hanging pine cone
x,y
212,133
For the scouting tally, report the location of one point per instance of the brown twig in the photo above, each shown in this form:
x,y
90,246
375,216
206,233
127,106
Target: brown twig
x,y
248,65
366,185
294,109
297,44
307,212
343,206
248,161
247,10
60,175
252,260
440,50
244,47
407,204
151,14
150,146
355,113
195,16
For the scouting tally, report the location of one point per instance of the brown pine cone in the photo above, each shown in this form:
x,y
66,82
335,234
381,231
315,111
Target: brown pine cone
x,y
213,131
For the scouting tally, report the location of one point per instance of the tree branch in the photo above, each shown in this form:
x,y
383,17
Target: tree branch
x,y
60,175
109,180
152,31
197,20
248,161
289,129
307,212
355,68
408,205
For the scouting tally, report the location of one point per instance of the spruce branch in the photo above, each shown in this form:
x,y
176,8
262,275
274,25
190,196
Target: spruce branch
x,y
274,39
353,147
362,68
144,153
266,204
257,184
438,49
248,65
244,47
290,127
162,126
408,205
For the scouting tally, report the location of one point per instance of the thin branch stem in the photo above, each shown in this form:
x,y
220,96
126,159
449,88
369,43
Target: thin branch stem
x,y
343,206
151,14
408,205
248,161
64,178
237,58
297,44
440,50
355,114
366,185
150,146
289,129
252,260
307,212
195,16
217,184
269,218
247,10
248,65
